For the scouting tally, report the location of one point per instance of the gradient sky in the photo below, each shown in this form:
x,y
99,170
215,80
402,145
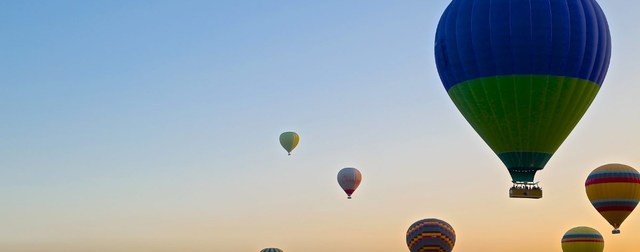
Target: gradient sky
x,y
133,126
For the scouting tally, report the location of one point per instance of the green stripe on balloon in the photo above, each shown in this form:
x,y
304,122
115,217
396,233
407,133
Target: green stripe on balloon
x,y
523,165
524,118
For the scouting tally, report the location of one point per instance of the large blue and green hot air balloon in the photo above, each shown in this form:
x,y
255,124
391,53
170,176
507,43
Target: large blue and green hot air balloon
x,y
523,72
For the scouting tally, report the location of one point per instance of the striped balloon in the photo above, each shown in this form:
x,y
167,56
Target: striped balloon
x,y
582,239
271,250
349,179
614,190
431,235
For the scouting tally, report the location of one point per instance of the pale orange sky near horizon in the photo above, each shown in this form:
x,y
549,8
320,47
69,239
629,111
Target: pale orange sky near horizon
x,y
136,126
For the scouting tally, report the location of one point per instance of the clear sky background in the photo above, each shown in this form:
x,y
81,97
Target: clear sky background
x,y
130,126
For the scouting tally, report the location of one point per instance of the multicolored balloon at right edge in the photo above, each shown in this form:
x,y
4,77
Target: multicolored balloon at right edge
x,y
582,239
431,235
614,190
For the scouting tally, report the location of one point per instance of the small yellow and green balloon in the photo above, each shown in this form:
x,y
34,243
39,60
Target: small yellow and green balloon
x,y
289,140
614,191
582,239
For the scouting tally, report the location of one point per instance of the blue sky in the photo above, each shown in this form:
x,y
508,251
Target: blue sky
x,y
153,126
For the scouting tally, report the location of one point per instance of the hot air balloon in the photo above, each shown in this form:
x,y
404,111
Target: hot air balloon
x,y
349,179
523,73
614,190
431,235
289,140
582,239
271,250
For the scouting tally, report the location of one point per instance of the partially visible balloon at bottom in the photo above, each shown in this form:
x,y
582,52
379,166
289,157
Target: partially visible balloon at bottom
x,y
271,250
582,239
431,235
